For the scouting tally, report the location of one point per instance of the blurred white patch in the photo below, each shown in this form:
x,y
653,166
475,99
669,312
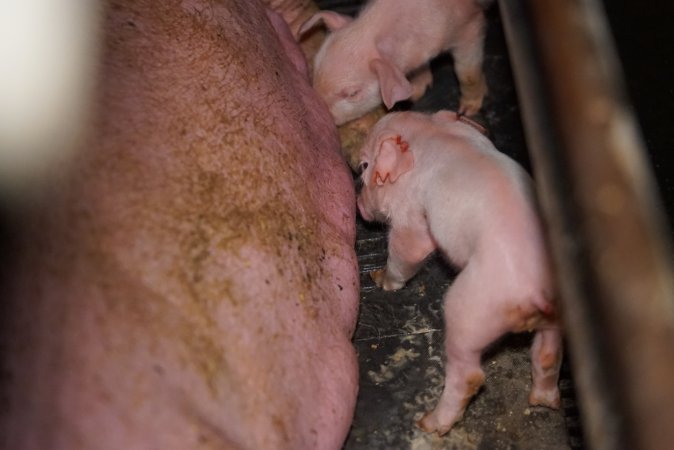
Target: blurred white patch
x,y
48,50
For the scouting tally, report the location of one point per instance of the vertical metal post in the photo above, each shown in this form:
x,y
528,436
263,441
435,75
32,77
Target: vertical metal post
x,y
609,241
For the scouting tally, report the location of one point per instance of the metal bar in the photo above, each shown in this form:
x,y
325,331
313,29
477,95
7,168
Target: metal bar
x,y
609,241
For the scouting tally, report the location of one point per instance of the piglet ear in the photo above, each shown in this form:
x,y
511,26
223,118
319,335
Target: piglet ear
x,y
332,20
392,159
392,82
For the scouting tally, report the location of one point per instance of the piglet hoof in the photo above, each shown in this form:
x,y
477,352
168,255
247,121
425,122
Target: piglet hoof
x,y
548,398
470,106
381,279
378,276
430,423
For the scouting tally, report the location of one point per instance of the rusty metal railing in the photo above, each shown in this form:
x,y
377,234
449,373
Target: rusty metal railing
x,y
610,243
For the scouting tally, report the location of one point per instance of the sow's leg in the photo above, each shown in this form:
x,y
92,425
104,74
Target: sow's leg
x,y
190,281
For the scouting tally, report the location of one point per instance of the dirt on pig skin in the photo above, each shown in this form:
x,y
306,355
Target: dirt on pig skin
x,y
190,282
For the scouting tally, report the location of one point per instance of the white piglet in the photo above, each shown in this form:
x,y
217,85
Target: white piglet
x,y
367,60
440,183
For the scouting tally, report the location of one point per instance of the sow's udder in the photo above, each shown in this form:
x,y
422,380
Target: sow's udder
x,y
191,283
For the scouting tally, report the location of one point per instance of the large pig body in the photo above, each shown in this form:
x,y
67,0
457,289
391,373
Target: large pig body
x,y
440,183
366,60
182,285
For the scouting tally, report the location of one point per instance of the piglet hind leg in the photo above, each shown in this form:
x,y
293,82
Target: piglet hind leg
x,y
463,379
546,358
470,326
407,250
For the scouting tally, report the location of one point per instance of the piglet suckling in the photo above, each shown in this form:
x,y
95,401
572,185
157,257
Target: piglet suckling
x,y
367,60
440,183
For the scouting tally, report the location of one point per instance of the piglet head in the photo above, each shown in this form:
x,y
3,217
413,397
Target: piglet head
x,y
343,85
352,73
346,83
389,159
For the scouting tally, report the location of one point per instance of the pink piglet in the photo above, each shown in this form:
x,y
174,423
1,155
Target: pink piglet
x,y
367,60
441,184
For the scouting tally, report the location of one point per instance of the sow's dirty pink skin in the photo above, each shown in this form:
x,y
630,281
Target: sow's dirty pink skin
x,y
441,184
191,281
366,61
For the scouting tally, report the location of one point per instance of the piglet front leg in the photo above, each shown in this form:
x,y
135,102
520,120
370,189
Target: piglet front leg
x,y
408,247
468,60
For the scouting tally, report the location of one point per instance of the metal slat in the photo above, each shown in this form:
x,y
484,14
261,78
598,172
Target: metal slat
x,y
608,238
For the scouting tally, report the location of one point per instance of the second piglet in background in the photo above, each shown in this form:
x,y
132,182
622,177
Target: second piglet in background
x,y
440,183
366,60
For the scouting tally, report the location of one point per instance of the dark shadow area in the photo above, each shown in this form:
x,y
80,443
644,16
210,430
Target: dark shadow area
x,y
644,38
